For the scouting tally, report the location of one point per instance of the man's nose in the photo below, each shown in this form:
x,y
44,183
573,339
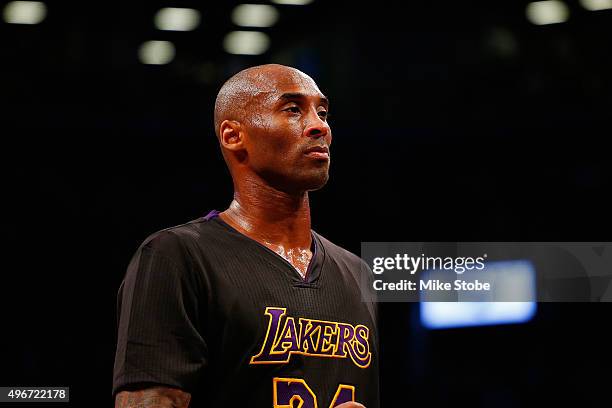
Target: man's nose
x,y
317,128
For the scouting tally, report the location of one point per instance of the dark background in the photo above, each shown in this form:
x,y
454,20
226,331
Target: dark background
x,y
451,121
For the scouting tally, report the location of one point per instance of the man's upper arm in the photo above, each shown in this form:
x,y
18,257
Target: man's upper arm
x,y
154,397
159,341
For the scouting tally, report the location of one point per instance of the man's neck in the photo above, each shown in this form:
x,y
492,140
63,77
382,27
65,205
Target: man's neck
x,y
270,216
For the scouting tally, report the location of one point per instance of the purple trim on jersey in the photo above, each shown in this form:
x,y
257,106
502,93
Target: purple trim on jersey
x,y
211,215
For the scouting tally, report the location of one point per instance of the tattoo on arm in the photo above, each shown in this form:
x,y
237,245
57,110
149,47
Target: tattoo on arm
x,y
154,397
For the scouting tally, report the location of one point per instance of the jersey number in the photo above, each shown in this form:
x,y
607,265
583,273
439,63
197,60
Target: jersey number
x,y
287,391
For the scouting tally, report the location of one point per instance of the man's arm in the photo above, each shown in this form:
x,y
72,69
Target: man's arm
x,y
154,397
158,306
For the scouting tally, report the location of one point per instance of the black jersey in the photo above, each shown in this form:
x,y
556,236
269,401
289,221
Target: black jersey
x,y
211,311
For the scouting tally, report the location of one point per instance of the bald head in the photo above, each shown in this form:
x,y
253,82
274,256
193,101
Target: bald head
x,y
268,120
240,96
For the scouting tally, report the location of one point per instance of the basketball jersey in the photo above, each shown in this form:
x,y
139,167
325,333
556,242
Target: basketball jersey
x,y
206,309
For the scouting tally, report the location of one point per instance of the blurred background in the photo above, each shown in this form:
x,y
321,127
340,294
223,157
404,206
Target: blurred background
x,y
452,121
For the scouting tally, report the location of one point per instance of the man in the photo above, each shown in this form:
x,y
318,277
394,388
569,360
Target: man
x,y
250,307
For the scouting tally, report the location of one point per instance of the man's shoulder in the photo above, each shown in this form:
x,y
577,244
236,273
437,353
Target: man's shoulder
x,y
179,238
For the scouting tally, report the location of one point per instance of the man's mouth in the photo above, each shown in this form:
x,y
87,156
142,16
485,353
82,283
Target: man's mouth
x,y
318,152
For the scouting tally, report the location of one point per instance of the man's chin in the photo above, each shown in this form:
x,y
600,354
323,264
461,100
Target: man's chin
x,y
299,183
305,184
317,183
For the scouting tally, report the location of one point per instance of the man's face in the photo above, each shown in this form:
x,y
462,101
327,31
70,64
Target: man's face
x,y
288,136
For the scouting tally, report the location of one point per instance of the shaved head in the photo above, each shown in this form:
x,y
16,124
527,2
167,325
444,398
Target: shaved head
x,y
268,120
239,97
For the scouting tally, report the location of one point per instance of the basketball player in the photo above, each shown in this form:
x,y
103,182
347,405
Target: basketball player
x,y
249,307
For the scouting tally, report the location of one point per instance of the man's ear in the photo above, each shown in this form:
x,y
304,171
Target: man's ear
x,y
231,135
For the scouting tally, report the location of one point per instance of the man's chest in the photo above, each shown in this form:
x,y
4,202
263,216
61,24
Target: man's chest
x,y
270,327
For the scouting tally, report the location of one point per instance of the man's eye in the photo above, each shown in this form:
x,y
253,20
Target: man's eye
x,y
324,114
293,109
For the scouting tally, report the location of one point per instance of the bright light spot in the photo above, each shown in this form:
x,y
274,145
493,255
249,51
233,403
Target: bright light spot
x,y
513,280
254,15
177,19
246,42
595,5
547,12
25,12
156,52
443,315
293,2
